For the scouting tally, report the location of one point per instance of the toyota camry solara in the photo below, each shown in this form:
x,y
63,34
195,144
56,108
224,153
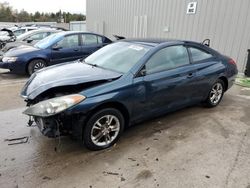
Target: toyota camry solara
x,y
122,84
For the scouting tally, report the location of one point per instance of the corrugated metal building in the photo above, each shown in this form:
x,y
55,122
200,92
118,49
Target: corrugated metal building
x,y
225,22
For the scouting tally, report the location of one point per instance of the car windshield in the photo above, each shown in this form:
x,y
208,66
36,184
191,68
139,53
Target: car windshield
x,y
118,57
49,41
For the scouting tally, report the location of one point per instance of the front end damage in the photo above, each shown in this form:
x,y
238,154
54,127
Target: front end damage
x,y
60,125
63,123
52,91
51,116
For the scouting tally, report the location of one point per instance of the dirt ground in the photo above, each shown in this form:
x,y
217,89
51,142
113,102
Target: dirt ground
x,y
194,147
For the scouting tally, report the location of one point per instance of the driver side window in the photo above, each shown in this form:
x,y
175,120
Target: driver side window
x,y
71,41
167,58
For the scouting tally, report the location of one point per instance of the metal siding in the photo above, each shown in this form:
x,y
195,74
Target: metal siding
x,y
225,22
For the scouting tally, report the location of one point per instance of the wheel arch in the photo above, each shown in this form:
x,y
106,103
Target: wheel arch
x,y
224,79
116,105
35,58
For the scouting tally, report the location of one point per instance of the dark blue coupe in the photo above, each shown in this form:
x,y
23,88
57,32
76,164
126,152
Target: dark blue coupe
x,y
124,83
57,48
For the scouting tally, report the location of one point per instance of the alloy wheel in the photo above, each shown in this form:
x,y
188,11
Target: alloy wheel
x,y
216,93
39,65
105,130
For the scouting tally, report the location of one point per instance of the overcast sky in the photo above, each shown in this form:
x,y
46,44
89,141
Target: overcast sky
x,y
72,6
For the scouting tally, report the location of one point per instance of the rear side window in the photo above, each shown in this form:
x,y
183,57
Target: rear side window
x,y
99,40
89,39
199,55
167,58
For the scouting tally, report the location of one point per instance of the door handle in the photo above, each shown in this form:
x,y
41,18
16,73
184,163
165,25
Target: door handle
x,y
76,50
190,75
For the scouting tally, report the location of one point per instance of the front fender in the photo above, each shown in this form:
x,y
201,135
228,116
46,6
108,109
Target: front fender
x,y
89,104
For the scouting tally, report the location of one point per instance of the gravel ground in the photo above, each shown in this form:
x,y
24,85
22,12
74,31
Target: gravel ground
x,y
194,147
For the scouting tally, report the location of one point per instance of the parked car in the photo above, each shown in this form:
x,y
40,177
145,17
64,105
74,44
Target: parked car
x,y
21,30
125,83
6,36
57,48
10,34
29,38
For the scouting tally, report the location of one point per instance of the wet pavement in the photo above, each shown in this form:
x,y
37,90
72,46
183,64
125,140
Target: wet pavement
x,y
194,147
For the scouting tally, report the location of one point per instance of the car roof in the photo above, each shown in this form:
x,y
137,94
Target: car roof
x,y
36,31
156,42
153,42
64,33
19,28
43,30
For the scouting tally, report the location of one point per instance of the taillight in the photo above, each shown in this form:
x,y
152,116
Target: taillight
x,y
231,61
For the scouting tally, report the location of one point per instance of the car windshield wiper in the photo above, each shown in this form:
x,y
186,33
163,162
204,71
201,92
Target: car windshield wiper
x,y
94,65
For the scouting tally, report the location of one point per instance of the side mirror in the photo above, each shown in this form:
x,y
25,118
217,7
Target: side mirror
x,y
29,41
143,72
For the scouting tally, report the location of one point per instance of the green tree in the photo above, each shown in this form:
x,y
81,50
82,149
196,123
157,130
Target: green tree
x,y
8,15
24,16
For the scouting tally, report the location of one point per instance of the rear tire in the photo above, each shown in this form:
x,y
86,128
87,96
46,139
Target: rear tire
x,y
103,129
36,65
215,94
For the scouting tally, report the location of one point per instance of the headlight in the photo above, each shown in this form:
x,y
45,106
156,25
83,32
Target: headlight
x,y
9,59
54,106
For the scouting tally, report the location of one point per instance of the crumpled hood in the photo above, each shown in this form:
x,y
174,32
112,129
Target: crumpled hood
x,y
66,74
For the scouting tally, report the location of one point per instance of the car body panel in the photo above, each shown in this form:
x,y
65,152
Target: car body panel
x,y
65,55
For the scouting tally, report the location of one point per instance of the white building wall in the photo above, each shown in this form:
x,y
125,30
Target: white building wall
x,y
225,22
77,26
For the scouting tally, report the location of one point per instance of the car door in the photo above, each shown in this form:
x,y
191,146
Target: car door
x,y
67,49
169,80
205,64
90,44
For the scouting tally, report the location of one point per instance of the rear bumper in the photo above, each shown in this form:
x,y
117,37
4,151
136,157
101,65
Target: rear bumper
x,y
231,81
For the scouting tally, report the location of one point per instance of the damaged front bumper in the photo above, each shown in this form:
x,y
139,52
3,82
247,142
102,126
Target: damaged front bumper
x,y
49,127
60,125
51,115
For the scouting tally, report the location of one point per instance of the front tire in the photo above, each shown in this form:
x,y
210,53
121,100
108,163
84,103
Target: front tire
x,y
103,129
215,94
36,65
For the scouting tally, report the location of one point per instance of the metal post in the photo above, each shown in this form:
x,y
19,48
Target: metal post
x,y
247,71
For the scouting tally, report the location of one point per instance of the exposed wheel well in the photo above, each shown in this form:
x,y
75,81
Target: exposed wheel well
x,y
115,105
26,68
224,79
